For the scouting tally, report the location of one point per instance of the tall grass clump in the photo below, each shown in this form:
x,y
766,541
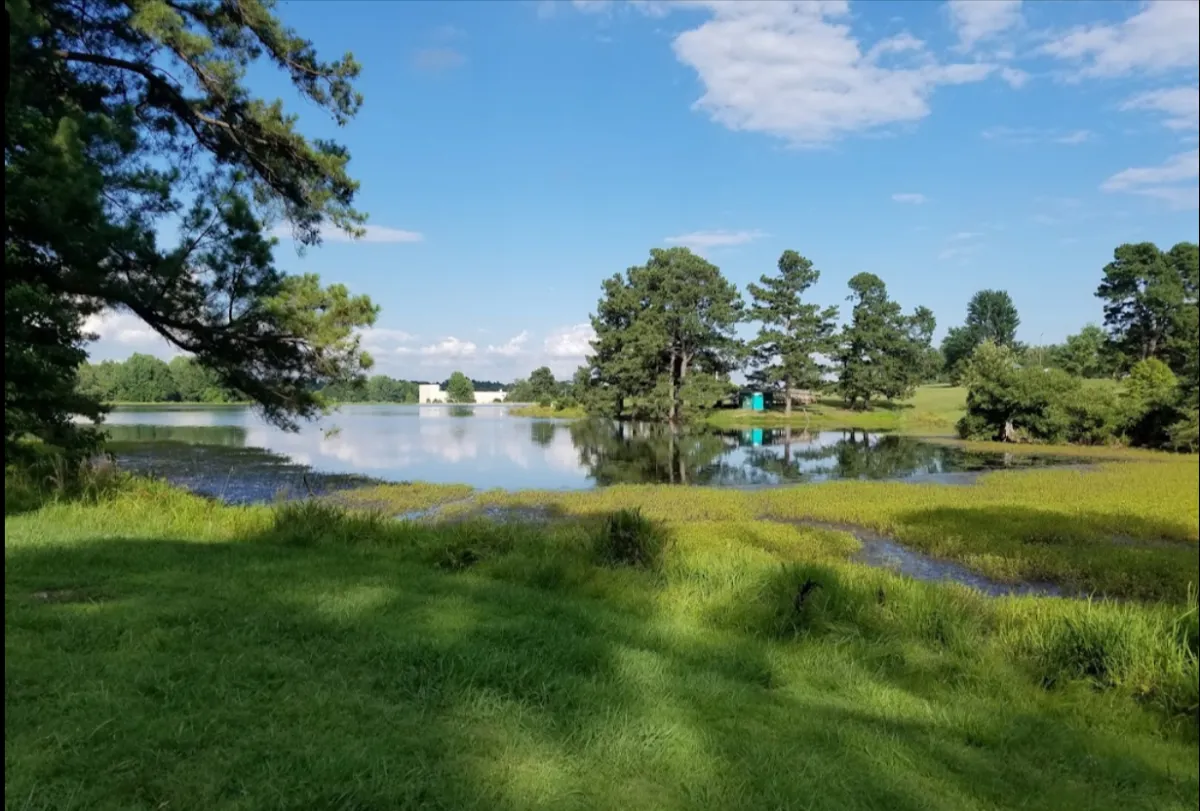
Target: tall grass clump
x,y
628,538
312,522
50,477
1152,655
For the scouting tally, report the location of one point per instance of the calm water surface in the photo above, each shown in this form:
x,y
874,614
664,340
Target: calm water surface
x,y
231,453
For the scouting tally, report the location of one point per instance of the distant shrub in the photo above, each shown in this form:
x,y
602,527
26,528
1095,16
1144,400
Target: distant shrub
x,y
1009,401
1006,400
628,538
1094,416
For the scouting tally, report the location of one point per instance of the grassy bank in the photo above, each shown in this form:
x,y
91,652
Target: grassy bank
x,y
932,410
164,651
548,412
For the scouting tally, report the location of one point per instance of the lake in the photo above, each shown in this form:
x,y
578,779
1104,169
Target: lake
x,y
231,453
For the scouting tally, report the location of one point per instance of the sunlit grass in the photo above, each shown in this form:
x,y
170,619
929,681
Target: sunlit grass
x,y
167,651
548,412
931,411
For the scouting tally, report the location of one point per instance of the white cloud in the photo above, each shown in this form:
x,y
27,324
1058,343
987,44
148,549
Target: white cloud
x,y
592,6
1074,137
373,233
570,342
1167,181
962,236
120,334
450,347
1163,35
787,69
977,20
1181,105
1015,77
512,347
1035,135
910,198
700,240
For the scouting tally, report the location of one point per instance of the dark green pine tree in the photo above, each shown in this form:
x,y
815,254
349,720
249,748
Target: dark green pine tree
x,y
793,333
125,120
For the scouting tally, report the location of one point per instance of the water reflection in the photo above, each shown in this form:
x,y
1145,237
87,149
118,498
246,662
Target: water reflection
x,y
495,449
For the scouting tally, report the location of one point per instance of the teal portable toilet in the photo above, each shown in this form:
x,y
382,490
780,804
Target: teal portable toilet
x,y
758,401
747,401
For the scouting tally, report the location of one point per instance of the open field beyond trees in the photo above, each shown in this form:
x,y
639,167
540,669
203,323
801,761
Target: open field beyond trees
x,y
167,651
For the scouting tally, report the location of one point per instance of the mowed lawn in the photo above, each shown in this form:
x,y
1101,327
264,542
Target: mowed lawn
x,y
167,652
932,410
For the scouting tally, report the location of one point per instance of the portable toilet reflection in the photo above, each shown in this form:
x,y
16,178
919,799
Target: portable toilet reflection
x,y
756,435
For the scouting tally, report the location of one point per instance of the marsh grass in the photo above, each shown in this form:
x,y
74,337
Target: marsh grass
x,y
628,538
314,655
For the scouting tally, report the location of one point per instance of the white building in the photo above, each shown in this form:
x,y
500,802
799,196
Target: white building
x,y
433,393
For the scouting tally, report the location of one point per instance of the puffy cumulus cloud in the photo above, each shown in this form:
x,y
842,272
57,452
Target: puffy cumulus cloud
x,y
449,347
512,347
372,233
977,20
573,342
1173,181
700,241
1180,106
793,70
1163,35
120,334
909,198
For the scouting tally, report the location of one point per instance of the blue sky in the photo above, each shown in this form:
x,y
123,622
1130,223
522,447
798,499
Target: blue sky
x,y
514,154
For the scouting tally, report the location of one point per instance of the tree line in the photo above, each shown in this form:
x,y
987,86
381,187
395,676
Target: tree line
x,y
666,346
145,378
1150,341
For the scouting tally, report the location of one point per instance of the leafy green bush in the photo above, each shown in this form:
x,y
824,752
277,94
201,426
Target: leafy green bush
x,y
628,538
1006,401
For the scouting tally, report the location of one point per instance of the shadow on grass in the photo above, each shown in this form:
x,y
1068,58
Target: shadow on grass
x,y
352,671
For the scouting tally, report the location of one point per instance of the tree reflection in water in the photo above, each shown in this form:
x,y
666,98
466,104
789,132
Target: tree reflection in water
x,y
615,453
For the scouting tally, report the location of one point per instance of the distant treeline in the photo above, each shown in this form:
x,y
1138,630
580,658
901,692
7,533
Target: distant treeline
x,y
147,379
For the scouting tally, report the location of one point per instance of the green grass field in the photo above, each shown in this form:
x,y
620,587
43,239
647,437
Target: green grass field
x,y
163,651
932,410
548,412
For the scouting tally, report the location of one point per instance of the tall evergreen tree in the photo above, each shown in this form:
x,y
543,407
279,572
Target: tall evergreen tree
x,y
122,116
882,352
991,316
665,335
793,333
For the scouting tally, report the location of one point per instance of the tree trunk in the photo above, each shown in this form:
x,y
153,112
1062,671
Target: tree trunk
x,y
787,396
683,370
673,408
